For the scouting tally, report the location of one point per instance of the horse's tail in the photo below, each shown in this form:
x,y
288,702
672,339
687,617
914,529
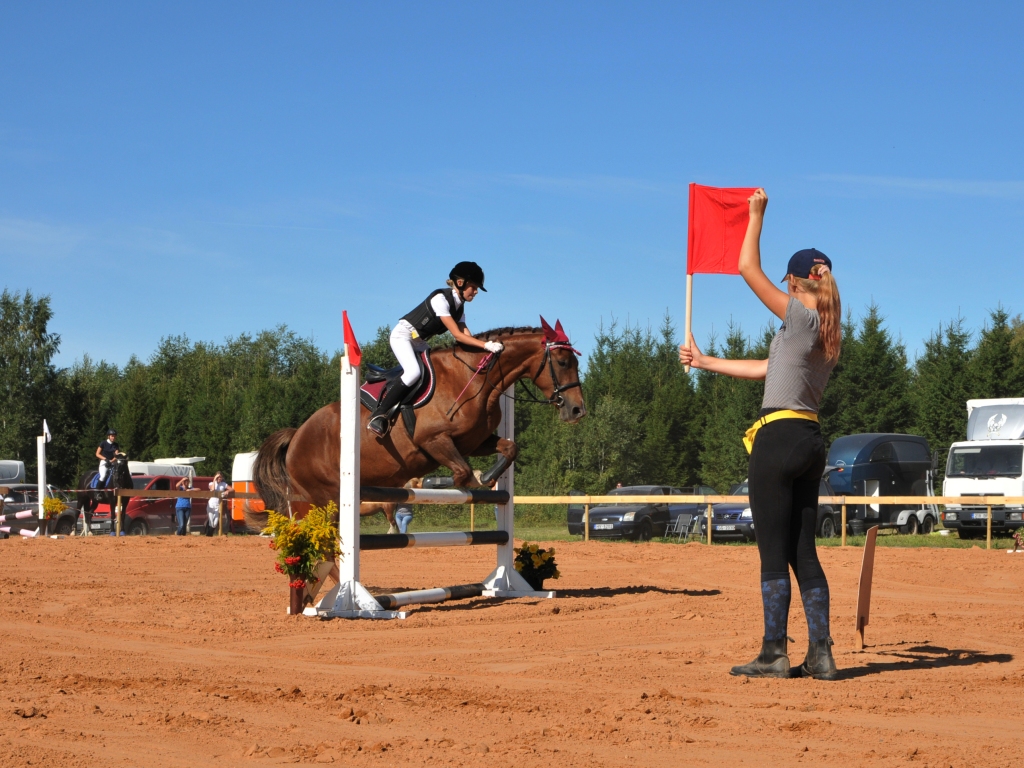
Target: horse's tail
x,y
270,478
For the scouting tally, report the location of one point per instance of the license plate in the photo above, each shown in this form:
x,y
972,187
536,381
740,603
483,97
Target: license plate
x,y
725,527
95,526
603,526
979,516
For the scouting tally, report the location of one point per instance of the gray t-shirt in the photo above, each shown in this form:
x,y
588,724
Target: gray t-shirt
x,y
797,367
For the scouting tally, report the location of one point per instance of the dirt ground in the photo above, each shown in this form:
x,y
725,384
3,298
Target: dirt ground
x,y
178,652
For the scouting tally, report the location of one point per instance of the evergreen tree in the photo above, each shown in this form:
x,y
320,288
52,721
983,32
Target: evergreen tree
x,y
942,387
995,365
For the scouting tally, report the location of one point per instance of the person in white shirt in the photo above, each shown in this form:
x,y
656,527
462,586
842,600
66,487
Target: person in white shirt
x,y
213,504
443,310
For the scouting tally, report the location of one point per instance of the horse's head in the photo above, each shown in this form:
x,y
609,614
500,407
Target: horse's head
x,y
559,374
122,475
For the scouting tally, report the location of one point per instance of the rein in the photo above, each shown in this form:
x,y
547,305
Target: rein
x,y
488,364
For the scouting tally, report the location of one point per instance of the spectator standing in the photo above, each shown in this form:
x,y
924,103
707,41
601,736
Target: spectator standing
x,y
183,506
214,503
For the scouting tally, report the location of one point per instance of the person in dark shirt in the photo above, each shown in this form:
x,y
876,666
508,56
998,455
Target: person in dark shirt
x,y
105,452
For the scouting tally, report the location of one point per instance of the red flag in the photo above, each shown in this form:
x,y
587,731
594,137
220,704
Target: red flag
x,y
718,222
354,352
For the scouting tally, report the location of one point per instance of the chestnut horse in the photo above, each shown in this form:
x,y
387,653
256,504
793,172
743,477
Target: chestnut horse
x,y
304,461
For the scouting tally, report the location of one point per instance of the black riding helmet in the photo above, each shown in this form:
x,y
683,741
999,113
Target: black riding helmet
x,y
470,272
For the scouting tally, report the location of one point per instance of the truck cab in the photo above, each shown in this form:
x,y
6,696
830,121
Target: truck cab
x,y
989,463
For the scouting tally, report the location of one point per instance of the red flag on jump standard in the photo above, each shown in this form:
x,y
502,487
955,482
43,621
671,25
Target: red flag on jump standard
x,y
718,222
350,340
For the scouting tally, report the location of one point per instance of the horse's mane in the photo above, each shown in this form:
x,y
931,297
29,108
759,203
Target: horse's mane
x,y
502,332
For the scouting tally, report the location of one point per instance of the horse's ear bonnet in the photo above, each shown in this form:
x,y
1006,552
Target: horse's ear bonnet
x,y
556,336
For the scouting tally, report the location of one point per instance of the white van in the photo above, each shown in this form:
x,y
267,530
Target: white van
x,y
989,463
12,472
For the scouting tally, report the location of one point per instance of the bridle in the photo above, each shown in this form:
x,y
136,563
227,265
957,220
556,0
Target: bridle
x,y
556,399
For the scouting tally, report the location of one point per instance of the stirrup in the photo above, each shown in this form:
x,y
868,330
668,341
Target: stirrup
x,y
380,425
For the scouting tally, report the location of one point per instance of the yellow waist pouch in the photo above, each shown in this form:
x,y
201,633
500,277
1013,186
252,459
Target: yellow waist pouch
x,y
748,438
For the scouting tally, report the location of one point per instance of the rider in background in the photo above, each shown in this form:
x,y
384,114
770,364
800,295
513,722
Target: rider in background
x,y
105,452
443,310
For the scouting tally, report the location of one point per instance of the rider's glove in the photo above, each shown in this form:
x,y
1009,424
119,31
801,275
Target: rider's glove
x,y
493,346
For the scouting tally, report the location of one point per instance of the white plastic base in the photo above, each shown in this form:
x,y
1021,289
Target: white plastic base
x,y
508,583
351,601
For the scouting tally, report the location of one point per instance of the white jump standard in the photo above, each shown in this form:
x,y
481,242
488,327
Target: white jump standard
x,y
349,598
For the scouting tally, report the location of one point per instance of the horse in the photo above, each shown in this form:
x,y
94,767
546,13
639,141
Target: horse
x,y
89,498
305,461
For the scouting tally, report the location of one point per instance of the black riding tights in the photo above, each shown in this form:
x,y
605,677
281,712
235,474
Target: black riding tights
x,y
785,471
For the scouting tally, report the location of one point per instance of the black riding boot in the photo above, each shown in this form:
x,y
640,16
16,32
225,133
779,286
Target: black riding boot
x,y
772,661
819,663
380,424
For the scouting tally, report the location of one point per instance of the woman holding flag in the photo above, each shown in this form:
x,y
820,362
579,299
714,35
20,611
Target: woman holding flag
x,y
787,452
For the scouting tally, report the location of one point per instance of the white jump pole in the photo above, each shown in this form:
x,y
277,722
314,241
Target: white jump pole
x,y
41,461
349,599
504,580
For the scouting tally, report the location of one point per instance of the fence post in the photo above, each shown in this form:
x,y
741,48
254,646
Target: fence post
x,y
118,513
586,522
988,529
844,521
710,515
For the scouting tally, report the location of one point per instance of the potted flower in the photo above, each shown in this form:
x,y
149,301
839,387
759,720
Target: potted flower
x,y
535,564
302,545
52,508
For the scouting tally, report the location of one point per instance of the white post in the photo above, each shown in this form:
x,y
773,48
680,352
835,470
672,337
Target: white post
x,y
348,503
349,599
41,459
505,581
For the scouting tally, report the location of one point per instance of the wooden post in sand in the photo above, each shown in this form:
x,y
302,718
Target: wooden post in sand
x,y
867,572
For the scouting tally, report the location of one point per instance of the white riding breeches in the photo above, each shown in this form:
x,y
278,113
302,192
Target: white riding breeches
x,y
406,348
104,468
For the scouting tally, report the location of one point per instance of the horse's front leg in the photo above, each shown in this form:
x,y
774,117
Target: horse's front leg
x,y
442,449
507,452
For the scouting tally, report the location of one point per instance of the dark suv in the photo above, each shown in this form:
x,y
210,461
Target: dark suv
x,y
625,520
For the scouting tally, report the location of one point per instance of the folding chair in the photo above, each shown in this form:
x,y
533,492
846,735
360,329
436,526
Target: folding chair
x,y
681,527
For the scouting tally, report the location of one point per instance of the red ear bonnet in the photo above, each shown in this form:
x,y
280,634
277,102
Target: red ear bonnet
x,y
556,336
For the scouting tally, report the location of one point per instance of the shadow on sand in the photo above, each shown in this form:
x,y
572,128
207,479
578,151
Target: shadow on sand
x,y
922,656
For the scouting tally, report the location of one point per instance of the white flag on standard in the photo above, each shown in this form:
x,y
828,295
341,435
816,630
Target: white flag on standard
x,y
46,432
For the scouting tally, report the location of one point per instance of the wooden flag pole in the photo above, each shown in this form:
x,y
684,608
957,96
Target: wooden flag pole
x,y
689,314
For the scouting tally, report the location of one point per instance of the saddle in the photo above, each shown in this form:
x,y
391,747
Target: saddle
x,y
95,482
377,380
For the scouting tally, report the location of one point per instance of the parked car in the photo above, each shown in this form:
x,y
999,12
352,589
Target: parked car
x,y
146,516
885,464
24,497
734,521
625,520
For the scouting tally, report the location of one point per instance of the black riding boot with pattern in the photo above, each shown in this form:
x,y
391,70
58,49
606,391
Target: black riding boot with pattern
x,y
380,423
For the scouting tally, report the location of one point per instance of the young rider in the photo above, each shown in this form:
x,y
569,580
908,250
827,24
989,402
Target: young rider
x,y
443,310
787,450
105,452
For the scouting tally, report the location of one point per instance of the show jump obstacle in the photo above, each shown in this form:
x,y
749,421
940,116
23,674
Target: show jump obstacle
x,y
348,598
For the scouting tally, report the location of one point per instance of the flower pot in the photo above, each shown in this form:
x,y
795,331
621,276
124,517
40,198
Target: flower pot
x,y
298,595
534,581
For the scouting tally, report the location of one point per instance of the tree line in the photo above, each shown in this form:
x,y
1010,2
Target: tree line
x,y
648,421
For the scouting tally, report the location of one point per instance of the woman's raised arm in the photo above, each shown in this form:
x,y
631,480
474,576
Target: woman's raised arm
x,y
750,259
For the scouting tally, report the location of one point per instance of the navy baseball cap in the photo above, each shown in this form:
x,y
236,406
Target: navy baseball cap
x,y
800,263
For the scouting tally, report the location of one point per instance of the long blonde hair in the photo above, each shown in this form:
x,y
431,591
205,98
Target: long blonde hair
x,y
823,286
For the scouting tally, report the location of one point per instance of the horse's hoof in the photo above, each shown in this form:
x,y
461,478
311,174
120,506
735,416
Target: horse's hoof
x,y
392,529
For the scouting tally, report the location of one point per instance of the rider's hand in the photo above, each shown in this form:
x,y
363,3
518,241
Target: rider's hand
x,y
493,347
690,355
758,202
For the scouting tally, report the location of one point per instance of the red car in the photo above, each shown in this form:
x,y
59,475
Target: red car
x,y
145,516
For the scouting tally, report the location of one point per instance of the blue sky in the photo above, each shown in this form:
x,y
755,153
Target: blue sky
x,y
215,169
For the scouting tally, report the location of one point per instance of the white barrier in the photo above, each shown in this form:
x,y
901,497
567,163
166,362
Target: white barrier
x,y
349,598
